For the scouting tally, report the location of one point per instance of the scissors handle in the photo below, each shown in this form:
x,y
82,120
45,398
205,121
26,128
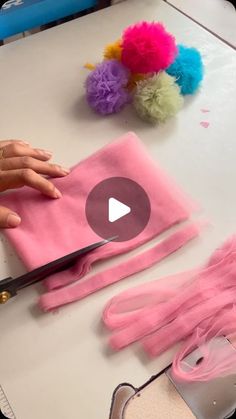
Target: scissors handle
x,y
5,295
10,286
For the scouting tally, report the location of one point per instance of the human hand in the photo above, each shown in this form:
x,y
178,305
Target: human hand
x,y
21,165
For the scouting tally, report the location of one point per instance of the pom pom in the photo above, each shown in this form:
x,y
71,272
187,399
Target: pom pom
x,y
134,79
187,69
113,51
105,87
89,66
147,48
157,98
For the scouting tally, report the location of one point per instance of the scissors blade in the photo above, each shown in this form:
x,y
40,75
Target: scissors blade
x,y
11,285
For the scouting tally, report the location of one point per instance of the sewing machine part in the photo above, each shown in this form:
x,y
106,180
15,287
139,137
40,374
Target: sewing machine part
x,y
215,399
163,397
120,396
6,411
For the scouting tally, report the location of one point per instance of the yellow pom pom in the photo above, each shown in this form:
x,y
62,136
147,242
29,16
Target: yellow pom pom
x,y
134,79
89,66
113,51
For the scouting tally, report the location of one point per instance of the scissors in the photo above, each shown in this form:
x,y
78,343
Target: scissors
x,y
10,286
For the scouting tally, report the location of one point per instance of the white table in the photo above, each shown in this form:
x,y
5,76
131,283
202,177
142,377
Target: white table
x,y
58,366
217,16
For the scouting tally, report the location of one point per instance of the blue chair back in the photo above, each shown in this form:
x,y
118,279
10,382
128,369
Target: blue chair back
x,y
18,16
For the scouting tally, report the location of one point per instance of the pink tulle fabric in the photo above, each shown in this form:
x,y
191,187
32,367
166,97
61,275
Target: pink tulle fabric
x,y
52,228
123,270
193,307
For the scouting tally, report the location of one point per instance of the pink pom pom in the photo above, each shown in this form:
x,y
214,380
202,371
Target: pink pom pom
x,y
147,48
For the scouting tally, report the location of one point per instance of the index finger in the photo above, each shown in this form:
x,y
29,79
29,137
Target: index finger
x,y
17,178
3,143
20,150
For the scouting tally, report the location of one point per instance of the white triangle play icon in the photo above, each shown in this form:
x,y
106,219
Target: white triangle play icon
x,y
117,210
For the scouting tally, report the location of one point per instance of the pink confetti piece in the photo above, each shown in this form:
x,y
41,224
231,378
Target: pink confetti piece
x,y
204,124
205,110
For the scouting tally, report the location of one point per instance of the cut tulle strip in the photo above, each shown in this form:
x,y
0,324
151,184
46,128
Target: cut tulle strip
x,y
136,264
136,302
183,325
193,307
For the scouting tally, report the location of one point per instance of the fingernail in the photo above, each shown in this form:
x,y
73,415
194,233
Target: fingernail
x,y
24,142
13,220
65,170
57,193
45,153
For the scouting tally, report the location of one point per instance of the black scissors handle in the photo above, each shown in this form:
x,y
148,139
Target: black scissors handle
x,y
10,286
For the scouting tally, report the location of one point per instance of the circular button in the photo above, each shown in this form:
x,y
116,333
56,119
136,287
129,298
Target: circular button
x,y
118,206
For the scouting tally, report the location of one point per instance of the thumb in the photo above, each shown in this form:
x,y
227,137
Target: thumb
x,y
8,218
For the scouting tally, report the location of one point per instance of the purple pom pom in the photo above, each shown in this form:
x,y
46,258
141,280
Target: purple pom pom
x,y
106,92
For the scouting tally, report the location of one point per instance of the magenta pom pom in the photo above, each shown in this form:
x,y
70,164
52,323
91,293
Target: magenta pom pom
x,y
147,48
106,87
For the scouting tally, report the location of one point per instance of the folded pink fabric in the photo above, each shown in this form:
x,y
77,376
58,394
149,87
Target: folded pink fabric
x,y
199,307
53,228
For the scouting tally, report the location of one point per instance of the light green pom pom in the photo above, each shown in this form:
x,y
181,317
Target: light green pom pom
x,y
157,98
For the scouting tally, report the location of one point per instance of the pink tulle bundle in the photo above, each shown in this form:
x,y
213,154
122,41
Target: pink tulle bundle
x,y
147,48
192,307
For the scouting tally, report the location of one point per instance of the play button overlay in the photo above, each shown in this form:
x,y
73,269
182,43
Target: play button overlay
x,y
118,206
116,210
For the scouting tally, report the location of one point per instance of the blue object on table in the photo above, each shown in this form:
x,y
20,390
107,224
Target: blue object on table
x,y
18,16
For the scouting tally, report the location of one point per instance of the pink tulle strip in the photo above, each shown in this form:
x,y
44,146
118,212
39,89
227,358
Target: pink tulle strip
x,y
193,307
